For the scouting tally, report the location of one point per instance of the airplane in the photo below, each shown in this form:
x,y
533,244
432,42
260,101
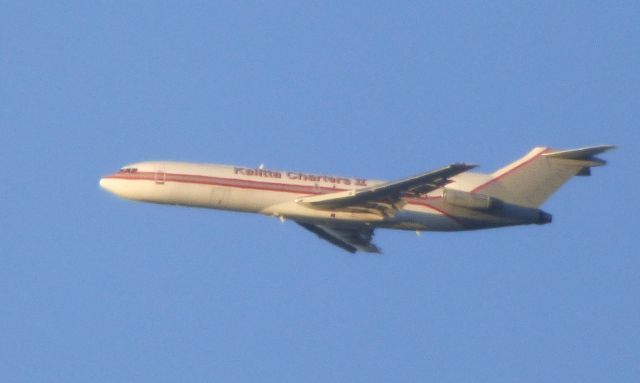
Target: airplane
x,y
345,211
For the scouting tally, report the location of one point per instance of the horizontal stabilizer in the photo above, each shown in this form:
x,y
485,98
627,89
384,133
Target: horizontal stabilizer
x,y
581,157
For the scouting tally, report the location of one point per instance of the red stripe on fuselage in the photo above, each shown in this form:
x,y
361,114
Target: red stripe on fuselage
x,y
250,184
221,181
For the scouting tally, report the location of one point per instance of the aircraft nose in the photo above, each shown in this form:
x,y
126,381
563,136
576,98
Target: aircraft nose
x,y
106,184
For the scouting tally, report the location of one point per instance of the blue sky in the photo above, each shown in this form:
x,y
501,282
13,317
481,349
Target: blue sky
x,y
93,288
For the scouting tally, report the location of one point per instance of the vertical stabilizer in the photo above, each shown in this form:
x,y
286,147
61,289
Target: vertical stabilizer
x,y
532,179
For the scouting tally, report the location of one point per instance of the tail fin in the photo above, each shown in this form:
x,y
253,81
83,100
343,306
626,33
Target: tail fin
x,y
535,177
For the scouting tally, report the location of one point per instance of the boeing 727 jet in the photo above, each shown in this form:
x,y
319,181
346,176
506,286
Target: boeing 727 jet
x,y
346,211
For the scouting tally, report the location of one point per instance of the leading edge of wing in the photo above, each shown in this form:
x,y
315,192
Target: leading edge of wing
x,y
422,183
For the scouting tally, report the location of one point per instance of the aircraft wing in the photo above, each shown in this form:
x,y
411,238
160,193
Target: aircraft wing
x,y
389,192
349,239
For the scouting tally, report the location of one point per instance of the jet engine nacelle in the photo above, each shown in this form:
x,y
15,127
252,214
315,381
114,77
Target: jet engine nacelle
x,y
469,200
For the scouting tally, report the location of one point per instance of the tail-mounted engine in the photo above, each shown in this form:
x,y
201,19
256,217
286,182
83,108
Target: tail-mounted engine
x,y
469,200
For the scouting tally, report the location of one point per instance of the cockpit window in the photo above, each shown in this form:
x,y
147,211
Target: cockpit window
x,y
128,170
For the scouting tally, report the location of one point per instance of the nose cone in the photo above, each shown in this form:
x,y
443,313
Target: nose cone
x,y
108,184
104,183
124,187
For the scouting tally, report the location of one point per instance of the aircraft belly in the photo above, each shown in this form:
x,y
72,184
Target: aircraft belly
x,y
247,200
183,194
293,210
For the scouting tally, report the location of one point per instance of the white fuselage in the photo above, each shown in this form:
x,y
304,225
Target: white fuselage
x,y
273,193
